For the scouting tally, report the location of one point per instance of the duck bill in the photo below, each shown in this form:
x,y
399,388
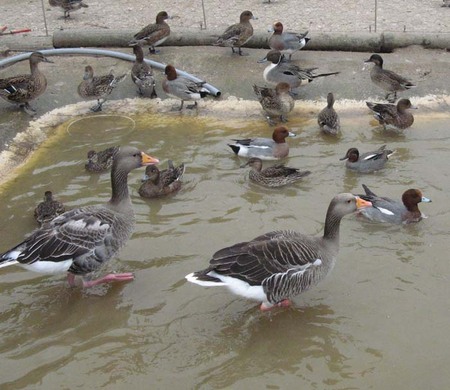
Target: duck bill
x,y
292,134
426,200
361,203
148,160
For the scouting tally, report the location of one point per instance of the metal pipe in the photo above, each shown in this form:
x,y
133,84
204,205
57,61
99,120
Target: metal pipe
x,y
108,53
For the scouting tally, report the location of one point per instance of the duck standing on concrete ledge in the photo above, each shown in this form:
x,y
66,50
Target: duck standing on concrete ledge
x,y
395,115
153,34
68,5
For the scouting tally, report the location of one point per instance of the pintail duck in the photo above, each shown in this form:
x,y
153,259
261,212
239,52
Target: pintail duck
x,y
154,34
237,34
328,118
276,101
100,161
81,240
22,89
287,42
281,71
385,209
386,79
369,161
264,148
183,88
49,209
277,266
142,74
158,183
68,5
97,87
396,115
274,176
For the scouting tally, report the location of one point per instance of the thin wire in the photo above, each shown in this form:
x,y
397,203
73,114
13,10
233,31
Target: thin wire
x,y
45,19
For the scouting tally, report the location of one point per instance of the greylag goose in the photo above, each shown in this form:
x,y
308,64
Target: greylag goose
x,y
142,74
275,267
48,209
276,101
328,118
274,176
68,5
158,183
97,87
387,80
153,34
23,88
81,240
100,161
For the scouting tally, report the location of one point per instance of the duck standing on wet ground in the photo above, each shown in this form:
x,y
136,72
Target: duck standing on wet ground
x,y
100,161
328,118
388,210
280,71
98,87
264,148
287,42
81,240
142,74
367,162
23,88
395,115
387,80
48,209
158,183
274,176
276,101
68,5
183,88
275,267
237,35
153,34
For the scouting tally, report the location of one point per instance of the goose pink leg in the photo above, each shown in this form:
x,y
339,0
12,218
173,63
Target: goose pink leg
x,y
283,303
125,277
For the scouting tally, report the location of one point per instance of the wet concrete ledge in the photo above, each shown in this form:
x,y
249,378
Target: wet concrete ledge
x,y
356,42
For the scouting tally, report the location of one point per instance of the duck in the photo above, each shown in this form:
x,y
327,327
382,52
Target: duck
x,y
264,148
142,74
367,162
275,267
394,115
98,87
286,42
48,209
386,79
183,88
68,5
100,161
158,183
392,211
24,88
328,119
237,35
153,34
274,176
81,240
276,101
281,71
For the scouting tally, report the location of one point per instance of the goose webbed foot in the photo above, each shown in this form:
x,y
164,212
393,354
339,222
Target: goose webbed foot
x,y
266,306
110,278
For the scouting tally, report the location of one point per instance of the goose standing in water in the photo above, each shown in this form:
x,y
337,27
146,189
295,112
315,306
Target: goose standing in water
x,y
81,240
277,266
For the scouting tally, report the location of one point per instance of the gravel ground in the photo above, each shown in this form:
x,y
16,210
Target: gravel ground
x,y
312,15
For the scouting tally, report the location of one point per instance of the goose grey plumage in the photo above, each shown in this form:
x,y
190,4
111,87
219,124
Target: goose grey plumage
x,y
275,101
48,209
153,34
286,42
68,5
275,267
158,183
368,161
395,115
100,161
97,87
23,88
328,118
386,79
237,34
274,176
142,74
388,210
81,240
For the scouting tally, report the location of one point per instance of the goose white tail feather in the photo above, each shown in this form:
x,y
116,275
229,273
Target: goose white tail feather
x,y
194,279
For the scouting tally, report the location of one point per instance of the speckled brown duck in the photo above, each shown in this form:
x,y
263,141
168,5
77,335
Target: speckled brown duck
x,y
153,34
68,5
276,102
328,119
158,183
395,115
142,74
48,209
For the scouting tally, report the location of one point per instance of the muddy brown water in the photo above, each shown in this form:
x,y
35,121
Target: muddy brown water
x,y
380,320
